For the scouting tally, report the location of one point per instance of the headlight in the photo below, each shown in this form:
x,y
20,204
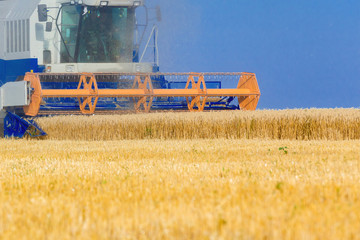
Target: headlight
x,y
137,3
69,68
104,3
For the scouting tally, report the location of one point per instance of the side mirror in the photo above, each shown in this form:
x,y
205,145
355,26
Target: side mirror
x,y
48,27
42,12
158,14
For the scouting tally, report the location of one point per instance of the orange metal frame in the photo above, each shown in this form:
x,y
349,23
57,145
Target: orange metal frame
x,y
88,93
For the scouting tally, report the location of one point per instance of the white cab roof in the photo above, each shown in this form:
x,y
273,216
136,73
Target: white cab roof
x,y
17,9
125,3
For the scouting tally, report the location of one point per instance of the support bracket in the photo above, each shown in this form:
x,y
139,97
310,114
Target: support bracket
x,y
197,82
88,104
143,82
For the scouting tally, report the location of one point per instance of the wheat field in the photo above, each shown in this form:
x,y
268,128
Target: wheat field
x,y
300,124
184,183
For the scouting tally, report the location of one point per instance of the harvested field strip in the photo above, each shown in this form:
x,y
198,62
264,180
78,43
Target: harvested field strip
x,y
307,124
179,189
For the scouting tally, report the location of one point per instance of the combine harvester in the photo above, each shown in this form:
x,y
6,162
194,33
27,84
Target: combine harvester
x,y
62,56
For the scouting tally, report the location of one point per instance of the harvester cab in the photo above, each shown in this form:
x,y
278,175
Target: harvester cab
x,y
66,55
91,36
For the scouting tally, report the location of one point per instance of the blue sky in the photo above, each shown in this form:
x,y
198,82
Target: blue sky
x,y
305,53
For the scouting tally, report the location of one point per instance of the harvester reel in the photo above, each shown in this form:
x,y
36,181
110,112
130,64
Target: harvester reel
x,y
196,92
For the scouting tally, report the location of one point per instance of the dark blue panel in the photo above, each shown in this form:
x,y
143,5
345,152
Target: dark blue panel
x,y
2,72
181,85
15,126
10,70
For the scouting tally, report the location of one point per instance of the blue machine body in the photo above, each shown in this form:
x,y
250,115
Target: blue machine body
x,y
10,70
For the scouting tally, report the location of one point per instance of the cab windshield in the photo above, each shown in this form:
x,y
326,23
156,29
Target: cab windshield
x,y
97,34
